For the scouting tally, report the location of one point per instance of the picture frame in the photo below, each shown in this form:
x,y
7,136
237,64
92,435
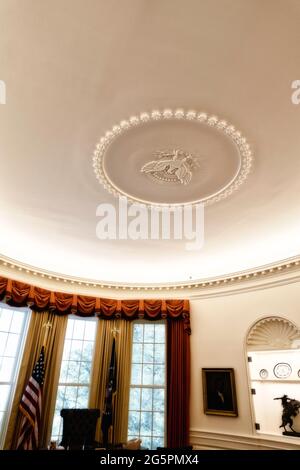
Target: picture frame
x,y
219,392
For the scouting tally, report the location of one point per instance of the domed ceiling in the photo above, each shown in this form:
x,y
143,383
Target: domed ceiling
x,y
164,103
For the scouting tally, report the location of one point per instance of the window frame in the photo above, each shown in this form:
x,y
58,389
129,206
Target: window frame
x,y
151,386
17,364
78,385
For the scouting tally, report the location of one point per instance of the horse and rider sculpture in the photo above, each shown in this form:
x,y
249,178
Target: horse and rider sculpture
x,y
290,409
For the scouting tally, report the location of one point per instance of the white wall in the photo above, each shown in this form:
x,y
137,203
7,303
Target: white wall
x,y
219,328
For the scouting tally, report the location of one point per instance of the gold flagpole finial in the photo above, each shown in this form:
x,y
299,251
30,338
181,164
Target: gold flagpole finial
x,y
114,332
47,327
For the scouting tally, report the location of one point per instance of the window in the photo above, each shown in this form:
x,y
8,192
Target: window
x,y
148,384
75,372
13,327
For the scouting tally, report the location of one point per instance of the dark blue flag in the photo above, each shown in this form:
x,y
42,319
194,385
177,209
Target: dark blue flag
x,y
111,388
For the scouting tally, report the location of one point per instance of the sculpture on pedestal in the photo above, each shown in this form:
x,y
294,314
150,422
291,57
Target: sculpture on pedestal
x,y
290,409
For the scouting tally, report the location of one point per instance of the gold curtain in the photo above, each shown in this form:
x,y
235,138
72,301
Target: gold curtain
x,y
104,338
53,341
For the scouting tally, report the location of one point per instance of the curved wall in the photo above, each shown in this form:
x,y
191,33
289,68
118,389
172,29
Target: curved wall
x,y
222,312
220,325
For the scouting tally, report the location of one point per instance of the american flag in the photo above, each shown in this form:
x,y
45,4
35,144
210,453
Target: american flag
x,y
31,407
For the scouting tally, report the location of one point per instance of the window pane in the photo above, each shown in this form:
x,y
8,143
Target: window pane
x,y
5,319
82,397
159,399
56,424
78,332
146,441
158,424
76,349
73,372
147,374
136,374
2,414
11,345
17,322
67,349
85,372
70,327
89,333
4,392
134,423
137,350
146,399
148,353
146,423
3,339
149,334
138,330
70,397
157,442
160,353
159,375
6,369
63,371
87,351
135,399
60,397
160,333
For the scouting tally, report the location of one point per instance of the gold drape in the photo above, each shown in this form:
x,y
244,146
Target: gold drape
x,y
104,338
53,341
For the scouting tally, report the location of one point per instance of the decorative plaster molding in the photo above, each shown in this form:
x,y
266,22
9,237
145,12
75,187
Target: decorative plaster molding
x,y
207,440
203,118
267,276
273,333
172,166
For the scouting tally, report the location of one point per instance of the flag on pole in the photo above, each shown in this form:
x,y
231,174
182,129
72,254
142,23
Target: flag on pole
x,y
31,407
111,388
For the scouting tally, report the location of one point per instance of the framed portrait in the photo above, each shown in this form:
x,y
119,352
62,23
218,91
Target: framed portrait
x,y
219,394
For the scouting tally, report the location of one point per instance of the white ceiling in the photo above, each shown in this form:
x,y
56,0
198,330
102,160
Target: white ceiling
x,y
75,68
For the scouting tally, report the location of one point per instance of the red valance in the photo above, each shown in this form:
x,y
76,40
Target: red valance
x,y
20,294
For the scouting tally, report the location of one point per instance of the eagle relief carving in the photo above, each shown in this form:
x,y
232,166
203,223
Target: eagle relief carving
x,y
174,166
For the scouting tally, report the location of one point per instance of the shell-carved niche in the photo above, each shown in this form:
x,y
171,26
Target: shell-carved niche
x,y
273,333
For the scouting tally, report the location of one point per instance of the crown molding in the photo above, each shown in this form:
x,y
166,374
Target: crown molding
x,y
284,272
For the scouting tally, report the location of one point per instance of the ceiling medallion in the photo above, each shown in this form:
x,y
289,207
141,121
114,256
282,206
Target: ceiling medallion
x,y
175,138
173,166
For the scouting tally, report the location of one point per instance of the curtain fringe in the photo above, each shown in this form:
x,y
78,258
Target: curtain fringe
x,y
20,294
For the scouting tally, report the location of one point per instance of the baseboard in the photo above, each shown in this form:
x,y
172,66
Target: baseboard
x,y
207,440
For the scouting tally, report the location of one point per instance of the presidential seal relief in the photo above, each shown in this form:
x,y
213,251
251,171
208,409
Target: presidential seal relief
x,y
173,166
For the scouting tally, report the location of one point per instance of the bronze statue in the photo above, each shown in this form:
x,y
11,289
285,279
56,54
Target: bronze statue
x,y
290,408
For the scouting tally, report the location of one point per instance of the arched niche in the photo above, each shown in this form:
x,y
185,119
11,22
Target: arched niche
x,y
273,355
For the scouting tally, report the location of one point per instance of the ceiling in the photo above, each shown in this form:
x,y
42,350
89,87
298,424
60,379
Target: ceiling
x,y
74,69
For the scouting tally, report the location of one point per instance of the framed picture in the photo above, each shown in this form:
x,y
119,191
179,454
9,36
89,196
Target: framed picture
x,y
219,395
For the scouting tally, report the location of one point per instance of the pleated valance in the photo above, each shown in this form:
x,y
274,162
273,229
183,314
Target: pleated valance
x,y
20,294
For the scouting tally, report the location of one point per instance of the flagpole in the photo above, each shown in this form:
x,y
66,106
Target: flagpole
x,y
114,332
